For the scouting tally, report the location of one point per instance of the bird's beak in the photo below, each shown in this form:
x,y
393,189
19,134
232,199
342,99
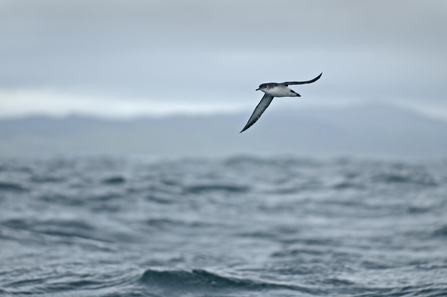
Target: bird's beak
x,y
257,89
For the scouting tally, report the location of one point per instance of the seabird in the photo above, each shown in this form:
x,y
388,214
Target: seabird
x,y
272,90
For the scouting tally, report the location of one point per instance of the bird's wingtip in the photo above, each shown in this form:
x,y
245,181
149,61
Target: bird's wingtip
x,y
246,127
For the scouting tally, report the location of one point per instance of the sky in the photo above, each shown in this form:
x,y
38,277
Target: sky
x,y
121,59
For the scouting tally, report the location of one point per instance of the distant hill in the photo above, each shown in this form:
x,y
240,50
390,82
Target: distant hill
x,y
367,130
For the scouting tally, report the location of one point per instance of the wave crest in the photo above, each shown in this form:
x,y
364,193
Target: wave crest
x,y
197,280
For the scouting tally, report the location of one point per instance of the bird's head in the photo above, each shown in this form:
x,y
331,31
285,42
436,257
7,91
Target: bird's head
x,y
262,87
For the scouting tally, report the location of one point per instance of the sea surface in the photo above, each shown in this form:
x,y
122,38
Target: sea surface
x,y
239,226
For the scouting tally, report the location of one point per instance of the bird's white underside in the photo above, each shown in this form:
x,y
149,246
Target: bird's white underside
x,y
280,91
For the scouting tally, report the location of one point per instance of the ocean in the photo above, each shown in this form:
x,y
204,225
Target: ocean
x,y
233,226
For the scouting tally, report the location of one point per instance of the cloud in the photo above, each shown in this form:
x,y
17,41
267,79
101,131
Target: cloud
x,y
57,104
216,52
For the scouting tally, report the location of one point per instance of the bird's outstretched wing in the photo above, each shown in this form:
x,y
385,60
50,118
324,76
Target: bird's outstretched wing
x,y
262,106
286,83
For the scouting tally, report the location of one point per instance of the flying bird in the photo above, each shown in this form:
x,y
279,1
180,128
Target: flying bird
x,y
272,90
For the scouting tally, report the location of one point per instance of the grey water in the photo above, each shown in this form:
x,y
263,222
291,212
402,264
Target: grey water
x,y
238,226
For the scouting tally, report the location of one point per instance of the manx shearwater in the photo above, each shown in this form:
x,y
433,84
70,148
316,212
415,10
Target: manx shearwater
x,y
272,90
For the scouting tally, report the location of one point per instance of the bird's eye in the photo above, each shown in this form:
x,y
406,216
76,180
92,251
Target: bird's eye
x,y
262,86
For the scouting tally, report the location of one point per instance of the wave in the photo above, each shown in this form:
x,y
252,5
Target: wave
x,y
182,282
198,189
67,228
442,232
114,180
13,187
405,178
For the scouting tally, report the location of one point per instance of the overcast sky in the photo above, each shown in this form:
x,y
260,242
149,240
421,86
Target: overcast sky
x,y
124,58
